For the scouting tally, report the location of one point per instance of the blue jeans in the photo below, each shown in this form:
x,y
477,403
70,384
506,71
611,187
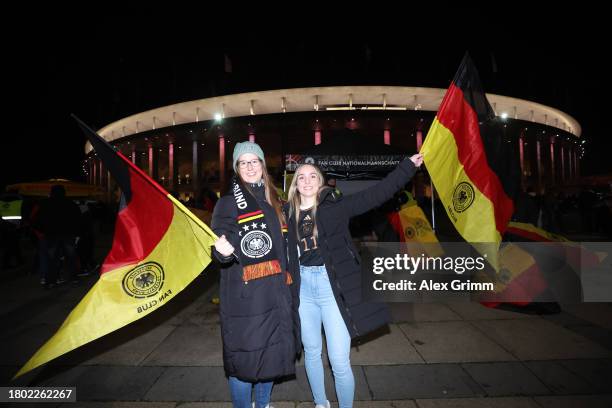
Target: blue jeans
x,y
57,246
241,393
318,306
43,259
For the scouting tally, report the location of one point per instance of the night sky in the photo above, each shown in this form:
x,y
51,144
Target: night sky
x,y
109,69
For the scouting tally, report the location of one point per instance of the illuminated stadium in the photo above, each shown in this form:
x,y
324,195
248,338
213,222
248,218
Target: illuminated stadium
x,y
189,145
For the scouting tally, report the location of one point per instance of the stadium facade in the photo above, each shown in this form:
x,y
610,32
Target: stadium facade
x,y
188,145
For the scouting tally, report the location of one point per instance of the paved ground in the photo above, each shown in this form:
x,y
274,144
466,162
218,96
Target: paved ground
x,y
433,355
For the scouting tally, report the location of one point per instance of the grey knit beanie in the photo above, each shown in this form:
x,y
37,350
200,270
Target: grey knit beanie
x,y
247,147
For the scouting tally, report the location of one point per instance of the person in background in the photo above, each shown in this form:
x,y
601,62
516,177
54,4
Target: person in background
x,y
59,221
11,211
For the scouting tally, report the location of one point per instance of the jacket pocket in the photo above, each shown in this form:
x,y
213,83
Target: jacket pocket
x,y
254,332
252,288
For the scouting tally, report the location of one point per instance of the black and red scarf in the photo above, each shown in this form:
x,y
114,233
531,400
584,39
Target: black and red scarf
x,y
257,254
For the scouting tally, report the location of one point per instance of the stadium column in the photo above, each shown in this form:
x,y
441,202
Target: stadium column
x,y
108,182
572,154
221,160
570,161
552,160
101,173
419,139
134,154
91,171
150,149
251,136
574,163
94,172
577,160
387,136
194,164
562,163
171,165
522,157
317,137
539,159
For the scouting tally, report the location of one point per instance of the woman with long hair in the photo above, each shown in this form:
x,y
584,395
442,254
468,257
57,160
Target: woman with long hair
x,y
327,273
259,322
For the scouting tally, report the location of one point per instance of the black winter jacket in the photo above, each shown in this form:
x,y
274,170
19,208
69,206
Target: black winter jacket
x,y
341,258
58,217
259,328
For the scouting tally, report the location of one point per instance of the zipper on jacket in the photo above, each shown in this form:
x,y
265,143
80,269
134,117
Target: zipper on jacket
x,y
346,308
333,269
349,247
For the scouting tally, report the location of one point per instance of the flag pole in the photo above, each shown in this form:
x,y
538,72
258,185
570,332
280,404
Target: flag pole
x,y
433,215
285,180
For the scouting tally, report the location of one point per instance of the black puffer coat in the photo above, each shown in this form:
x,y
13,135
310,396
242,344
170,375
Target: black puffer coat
x,y
258,318
339,254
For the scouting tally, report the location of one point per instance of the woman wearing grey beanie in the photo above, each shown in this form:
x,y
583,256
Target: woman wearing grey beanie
x,y
258,309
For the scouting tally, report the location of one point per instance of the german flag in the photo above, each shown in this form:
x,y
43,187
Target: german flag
x,y
518,280
530,232
412,226
574,254
471,191
529,273
159,247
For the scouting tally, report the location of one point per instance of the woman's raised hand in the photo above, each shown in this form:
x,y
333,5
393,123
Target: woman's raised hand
x,y
417,159
223,246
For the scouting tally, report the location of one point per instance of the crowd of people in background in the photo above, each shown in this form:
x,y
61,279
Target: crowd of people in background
x,y
60,232
63,231
580,214
583,211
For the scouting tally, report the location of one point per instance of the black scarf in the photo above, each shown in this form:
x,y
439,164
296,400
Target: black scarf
x,y
257,255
